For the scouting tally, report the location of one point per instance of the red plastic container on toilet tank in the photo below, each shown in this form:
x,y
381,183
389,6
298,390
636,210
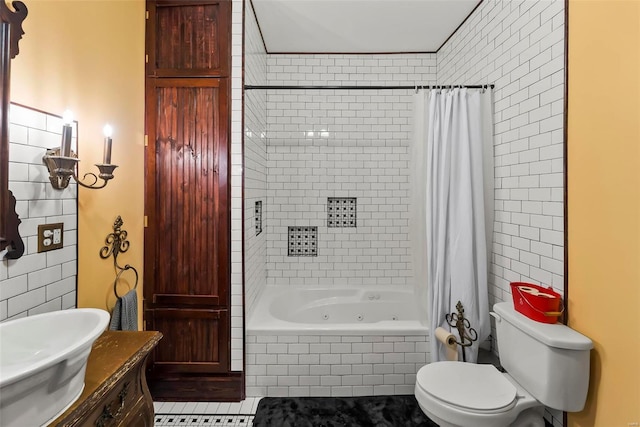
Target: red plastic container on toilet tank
x,y
537,303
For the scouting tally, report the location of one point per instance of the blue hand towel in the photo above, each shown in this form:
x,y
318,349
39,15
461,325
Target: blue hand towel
x,y
125,313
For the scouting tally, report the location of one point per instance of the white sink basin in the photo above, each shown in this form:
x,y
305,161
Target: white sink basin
x,y
43,359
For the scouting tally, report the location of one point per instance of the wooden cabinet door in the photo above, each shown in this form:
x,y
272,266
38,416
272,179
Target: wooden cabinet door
x,y
188,38
188,234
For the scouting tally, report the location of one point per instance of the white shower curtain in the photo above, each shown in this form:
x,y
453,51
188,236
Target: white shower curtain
x,y
453,138
418,214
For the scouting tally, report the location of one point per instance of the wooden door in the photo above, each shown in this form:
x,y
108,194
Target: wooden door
x,y
187,239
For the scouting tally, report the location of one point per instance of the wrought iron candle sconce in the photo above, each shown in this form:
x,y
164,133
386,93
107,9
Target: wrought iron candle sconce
x,y
462,324
62,162
117,243
63,168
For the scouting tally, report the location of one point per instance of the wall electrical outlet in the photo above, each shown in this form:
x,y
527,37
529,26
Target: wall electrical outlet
x,y
57,236
50,236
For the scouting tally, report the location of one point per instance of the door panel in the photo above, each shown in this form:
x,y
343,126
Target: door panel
x,y
190,38
198,350
186,46
191,212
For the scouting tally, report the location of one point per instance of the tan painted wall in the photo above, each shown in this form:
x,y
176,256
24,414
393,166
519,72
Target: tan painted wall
x,y
604,203
89,56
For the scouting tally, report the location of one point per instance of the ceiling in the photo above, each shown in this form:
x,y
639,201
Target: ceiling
x,y
359,26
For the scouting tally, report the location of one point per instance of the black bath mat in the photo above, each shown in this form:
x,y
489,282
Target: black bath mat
x,y
367,411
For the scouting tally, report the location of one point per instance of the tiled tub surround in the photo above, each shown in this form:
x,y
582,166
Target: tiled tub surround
x,y
338,341
254,161
339,144
333,365
361,70
325,144
320,145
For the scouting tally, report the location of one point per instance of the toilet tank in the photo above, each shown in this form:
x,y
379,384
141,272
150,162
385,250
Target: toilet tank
x,y
550,361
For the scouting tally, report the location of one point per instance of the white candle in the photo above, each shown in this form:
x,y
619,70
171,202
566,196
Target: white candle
x,y
67,132
108,131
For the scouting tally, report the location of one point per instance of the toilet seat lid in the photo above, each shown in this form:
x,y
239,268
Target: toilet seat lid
x,y
467,385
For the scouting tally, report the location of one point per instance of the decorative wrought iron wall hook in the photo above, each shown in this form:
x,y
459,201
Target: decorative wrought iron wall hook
x,y
462,324
116,243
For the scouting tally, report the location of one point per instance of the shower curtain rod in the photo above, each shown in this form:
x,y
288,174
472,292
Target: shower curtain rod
x,y
294,87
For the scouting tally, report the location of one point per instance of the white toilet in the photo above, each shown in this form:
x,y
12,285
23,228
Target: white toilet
x,y
547,365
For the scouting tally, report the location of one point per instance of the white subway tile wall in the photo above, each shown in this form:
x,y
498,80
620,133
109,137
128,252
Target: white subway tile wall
x,y
237,350
341,143
326,365
365,70
38,282
255,161
519,46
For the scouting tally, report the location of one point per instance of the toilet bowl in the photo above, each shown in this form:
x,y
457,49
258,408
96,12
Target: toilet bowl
x,y
546,365
457,394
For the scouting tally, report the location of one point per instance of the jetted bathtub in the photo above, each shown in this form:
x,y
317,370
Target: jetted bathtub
x,y
335,341
366,310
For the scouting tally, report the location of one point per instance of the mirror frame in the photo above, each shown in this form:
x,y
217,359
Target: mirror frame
x,y
10,34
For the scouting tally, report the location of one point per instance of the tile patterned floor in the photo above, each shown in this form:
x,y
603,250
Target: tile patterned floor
x,y
177,420
205,414
222,414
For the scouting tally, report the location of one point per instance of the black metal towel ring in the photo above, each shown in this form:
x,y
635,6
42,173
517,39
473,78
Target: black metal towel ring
x,y
116,243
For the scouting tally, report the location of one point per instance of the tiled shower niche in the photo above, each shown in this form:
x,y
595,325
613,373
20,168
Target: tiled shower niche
x,y
303,241
341,212
258,216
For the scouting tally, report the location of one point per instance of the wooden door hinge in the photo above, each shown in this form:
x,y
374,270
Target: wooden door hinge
x,y
146,140
147,14
146,221
146,59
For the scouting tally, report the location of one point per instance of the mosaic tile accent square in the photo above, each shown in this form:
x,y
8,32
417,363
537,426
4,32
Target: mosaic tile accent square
x,y
258,216
341,212
303,241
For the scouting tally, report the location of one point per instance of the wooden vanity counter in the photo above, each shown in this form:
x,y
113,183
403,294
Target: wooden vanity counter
x,y
115,391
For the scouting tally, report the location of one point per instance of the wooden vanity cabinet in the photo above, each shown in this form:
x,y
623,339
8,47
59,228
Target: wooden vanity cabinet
x,y
115,391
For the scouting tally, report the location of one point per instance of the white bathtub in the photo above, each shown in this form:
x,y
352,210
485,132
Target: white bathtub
x,y
335,341
364,310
